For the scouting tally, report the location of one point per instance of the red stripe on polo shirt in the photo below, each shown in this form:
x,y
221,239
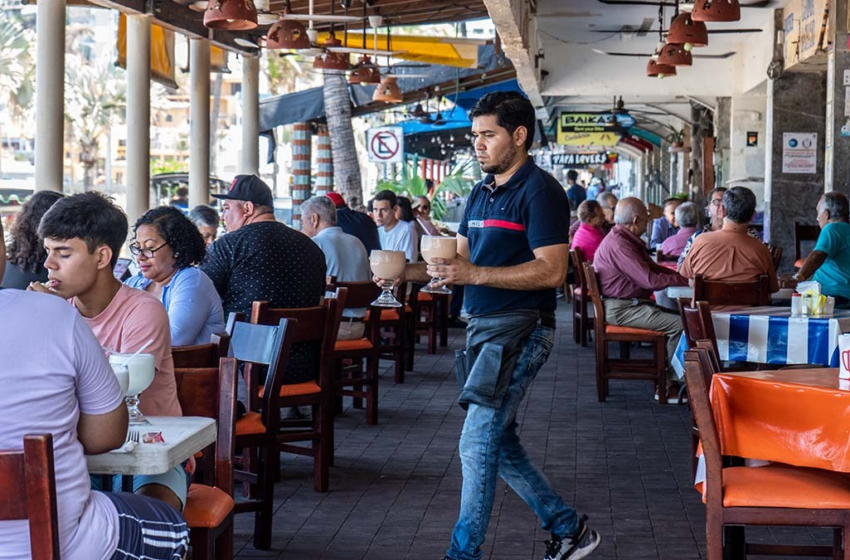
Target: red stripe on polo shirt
x,y
504,224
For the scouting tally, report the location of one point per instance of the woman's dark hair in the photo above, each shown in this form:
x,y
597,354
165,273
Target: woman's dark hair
x,y
26,250
406,209
179,232
90,216
511,109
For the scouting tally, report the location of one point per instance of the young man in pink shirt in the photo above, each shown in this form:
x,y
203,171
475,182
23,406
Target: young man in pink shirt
x,y
83,235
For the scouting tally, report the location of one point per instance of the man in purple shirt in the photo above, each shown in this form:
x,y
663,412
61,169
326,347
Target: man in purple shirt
x,y
628,276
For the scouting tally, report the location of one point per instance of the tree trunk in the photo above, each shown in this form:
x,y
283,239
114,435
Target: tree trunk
x,y
338,113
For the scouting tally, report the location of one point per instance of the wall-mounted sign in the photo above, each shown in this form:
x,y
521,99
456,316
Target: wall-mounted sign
x,y
805,25
800,152
752,139
385,144
582,160
589,123
588,139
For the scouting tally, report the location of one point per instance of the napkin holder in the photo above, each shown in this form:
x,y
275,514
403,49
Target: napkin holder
x,y
844,356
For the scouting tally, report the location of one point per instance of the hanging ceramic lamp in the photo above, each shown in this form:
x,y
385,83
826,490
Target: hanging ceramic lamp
x,y
287,34
716,10
655,70
231,15
675,55
332,60
388,91
365,72
687,32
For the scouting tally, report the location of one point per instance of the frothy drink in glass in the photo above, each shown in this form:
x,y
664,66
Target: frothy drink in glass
x,y
142,369
438,247
387,265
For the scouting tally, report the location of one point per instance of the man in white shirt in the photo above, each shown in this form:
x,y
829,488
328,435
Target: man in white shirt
x,y
395,235
345,256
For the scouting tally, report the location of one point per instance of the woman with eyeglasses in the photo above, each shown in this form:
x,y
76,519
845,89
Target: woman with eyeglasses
x,y
168,248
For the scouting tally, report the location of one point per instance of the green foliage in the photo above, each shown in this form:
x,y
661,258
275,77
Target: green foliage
x,y
17,67
683,196
169,165
412,185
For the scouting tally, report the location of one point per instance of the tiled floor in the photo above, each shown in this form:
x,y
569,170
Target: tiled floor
x,y
395,487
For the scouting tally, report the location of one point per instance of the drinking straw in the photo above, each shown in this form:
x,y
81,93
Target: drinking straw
x,y
139,351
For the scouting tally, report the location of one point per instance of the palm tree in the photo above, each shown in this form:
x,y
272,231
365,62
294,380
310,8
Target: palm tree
x,y
341,131
17,69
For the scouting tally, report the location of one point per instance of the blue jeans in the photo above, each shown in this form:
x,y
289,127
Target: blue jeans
x,y
490,446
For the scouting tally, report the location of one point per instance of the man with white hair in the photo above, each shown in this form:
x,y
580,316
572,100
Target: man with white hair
x,y
628,276
345,256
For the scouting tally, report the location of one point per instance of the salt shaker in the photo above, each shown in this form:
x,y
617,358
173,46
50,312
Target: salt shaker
x,y
796,305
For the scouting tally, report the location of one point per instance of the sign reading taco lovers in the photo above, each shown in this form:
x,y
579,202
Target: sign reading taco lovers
x,y
584,159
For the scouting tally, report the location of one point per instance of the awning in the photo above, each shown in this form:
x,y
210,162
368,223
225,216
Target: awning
x,y
447,51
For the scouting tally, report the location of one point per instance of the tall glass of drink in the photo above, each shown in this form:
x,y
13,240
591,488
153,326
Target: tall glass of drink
x,y
141,369
387,265
436,246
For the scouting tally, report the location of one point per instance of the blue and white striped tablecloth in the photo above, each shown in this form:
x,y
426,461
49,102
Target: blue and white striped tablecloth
x,y
769,335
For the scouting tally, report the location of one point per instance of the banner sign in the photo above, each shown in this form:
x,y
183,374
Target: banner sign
x,y
588,139
592,123
582,160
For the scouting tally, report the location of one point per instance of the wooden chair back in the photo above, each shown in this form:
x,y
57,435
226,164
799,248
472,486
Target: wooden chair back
x,y
211,393
262,346
710,348
577,257
661,256
28,491
776,255
755,293
202,355
596,297
803,233
698,389
697,322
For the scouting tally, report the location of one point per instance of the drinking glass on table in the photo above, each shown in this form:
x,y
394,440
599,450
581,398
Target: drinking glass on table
x,y
437,247
388,266
141,370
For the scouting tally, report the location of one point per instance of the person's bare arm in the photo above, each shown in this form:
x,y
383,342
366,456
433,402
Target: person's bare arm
x,y
100,433
547,270
812,263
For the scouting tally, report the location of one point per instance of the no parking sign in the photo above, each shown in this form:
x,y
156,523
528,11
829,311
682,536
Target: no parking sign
x,y
385,144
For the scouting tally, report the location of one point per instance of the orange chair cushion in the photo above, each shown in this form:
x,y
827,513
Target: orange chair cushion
x,y
614,329
308,388
206,507
357,344
251,423
425,296
799,263
783,486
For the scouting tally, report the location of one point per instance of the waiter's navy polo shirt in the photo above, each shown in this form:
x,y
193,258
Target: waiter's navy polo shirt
x,y
504,226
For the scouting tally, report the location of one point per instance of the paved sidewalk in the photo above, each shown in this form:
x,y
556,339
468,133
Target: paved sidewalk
x,y
395,487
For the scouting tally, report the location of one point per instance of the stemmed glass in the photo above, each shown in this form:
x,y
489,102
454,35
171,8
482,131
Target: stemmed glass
x,y
439,247
142,368
387,265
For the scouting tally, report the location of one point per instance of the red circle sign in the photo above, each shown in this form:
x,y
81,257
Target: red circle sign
x,y
384,145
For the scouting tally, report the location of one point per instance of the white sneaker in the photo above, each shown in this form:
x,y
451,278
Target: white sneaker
x,y
576,547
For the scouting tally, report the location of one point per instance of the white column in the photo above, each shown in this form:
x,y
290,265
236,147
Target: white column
x,y
138,115
199,138
250,114
50,95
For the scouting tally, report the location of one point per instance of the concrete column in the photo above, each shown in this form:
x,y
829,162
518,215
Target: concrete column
x,y
324,159
50,95
837,128
796,103
138,116
746,162
723,145
251,114
302,135
199,122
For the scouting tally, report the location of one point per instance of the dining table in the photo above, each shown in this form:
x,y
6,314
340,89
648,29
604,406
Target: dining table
x,y
770,335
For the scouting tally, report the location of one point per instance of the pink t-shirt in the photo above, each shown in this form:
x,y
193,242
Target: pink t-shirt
x,y
131,319
587,238
53,370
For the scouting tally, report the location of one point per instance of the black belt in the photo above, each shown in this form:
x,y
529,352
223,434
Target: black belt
x,y
548,320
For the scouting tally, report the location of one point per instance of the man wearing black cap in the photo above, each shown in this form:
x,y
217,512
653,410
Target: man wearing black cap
x,y
262,259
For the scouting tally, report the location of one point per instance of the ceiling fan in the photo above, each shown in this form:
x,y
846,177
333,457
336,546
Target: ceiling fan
x,y
644,55
628,29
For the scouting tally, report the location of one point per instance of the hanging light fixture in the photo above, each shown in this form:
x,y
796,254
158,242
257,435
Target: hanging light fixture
x,y
287,33
232,15
675,55
365,72
655,70
388,91
716,10
687,32
332,60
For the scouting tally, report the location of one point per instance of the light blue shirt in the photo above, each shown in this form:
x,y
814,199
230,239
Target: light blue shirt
x,y
834,273
193,306
346,258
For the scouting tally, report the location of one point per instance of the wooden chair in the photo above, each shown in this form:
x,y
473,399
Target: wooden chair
x,y
211,392
582,323
28,491
356,381
773,495
258,346
803,233
654,369
697,323
317,325
661,256
755,293
202,355
396,320
430,312
776,255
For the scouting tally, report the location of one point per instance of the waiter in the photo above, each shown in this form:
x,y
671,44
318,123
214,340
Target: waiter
x,y
512,254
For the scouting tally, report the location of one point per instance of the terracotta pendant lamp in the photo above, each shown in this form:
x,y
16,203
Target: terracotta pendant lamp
x,y
365,72
675,55
656,70
716,10
231,15
332,60
388,91
287,33
687,32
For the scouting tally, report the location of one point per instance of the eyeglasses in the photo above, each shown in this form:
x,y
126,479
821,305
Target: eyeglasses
x,y
716,202
136,250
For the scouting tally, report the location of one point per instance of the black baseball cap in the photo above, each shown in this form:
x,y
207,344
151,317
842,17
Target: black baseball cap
x,y
248,188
